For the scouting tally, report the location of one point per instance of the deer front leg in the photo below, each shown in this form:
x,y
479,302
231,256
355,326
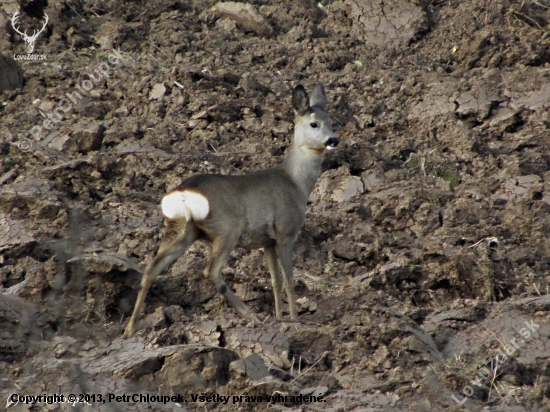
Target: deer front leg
x,y
172,247
221,248
284,250
276,279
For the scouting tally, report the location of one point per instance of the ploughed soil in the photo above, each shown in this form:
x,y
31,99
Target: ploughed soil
x,y
422,272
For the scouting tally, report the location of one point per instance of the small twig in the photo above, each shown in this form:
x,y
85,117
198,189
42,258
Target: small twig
x,y
539,4
157,48
68,4
490,238
159,63
308,369
423,165
315,278
493,381
528,18
92,10
296,322
437,304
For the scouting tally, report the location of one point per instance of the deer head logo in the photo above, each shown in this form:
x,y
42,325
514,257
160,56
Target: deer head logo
x,y
30,40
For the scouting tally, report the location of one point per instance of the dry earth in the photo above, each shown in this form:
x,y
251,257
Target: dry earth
x,y
423,270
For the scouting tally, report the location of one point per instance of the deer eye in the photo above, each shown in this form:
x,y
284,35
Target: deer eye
x,y
314,125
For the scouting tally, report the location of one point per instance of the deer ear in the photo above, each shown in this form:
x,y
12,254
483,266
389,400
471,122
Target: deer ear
x,y
300,101
318,97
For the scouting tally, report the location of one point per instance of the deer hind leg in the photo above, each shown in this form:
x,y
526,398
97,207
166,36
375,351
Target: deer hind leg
x,y
221,248
276,278
177,239
284,250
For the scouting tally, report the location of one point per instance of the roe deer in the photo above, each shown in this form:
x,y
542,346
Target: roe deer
x,y
265,209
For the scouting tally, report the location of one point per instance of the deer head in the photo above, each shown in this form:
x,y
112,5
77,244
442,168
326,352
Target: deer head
x,y
30,40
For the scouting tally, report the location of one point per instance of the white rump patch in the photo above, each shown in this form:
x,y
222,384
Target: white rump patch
x,y
188,204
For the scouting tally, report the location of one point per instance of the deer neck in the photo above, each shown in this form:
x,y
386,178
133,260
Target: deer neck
x,y
304,167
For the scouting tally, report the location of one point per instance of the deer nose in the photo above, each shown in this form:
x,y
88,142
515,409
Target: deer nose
x,y
332,142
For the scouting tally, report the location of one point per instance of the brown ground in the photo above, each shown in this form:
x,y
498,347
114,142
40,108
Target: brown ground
x,y
426,246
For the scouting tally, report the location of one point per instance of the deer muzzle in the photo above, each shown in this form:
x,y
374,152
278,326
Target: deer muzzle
x,y
332,142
